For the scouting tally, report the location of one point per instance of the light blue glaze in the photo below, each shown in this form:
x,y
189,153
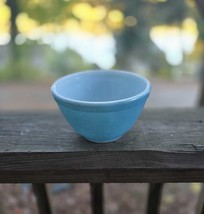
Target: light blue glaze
x,y
101,105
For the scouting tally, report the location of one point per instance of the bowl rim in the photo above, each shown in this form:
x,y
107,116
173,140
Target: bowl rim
x,y
102,103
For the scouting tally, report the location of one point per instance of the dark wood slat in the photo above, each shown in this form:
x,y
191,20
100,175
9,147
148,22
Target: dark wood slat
x,y
200,203
41,194
154,198
163,146
96,198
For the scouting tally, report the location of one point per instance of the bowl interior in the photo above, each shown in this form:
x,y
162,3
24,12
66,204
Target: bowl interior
x,y
100,86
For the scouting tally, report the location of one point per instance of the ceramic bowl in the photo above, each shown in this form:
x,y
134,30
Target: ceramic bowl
x,y
101,105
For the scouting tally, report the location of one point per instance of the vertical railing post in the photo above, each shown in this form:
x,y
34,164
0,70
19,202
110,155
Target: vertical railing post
x,y
200,203
96,190
42,198
154,198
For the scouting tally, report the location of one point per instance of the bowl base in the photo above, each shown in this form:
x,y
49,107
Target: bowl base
x,y
103,141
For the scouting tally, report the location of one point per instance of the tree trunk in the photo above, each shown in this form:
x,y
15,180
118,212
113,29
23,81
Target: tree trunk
x,y
14,50
201,101
200,6
14,12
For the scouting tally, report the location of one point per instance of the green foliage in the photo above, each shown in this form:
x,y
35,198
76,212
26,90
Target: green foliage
x,y
19,70
66,62
41,61
46,10
133,43
164,73
200,24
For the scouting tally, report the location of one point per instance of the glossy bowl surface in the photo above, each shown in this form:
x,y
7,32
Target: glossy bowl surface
x,y
101,105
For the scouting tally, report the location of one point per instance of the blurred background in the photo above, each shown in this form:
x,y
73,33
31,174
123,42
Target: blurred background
x,y
41,40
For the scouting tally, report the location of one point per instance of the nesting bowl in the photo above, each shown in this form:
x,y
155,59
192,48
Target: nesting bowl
x,y
101,105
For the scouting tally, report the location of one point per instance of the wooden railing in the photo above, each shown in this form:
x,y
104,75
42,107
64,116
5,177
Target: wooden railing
x,y
164,146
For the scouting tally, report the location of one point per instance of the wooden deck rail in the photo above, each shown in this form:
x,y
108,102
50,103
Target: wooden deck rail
x,y
164,146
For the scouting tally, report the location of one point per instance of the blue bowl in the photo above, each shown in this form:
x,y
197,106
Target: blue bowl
x,y
101,105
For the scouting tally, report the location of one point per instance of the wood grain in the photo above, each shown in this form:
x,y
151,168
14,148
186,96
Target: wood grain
x,y
163,146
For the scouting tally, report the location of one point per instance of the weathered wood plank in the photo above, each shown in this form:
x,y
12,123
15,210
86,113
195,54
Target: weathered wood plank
x,y
164,146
